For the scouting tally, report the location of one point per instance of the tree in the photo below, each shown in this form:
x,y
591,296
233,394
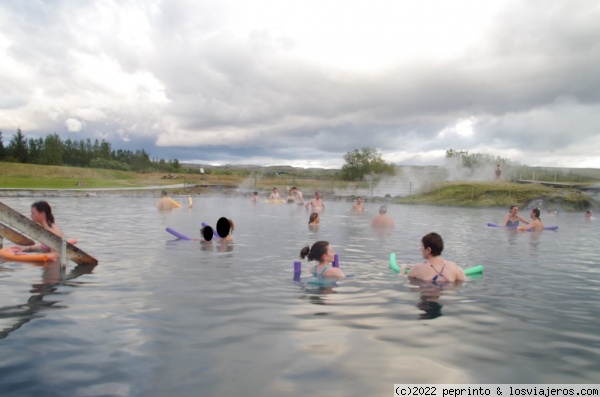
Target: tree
x,y
52,152
2,148
17,147
364,162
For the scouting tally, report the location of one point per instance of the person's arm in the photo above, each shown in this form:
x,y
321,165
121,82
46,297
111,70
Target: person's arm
x,y
505,221
525,221
460,273
334,272
403,268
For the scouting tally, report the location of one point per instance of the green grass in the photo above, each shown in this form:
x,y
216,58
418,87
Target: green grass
x,y
501,195
471,194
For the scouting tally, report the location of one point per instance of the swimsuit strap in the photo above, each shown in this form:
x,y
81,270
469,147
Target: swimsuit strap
x,y
439,274
322,271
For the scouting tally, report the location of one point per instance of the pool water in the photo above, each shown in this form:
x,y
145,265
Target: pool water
x,y
160,316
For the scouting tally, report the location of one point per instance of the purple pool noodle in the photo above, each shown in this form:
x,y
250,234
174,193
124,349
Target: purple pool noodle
x,y
336,261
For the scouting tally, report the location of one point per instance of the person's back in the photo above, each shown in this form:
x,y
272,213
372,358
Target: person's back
x,y
165,203
446,272
383,220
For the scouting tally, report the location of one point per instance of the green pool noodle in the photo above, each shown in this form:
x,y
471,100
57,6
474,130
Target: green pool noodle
x,y
468,272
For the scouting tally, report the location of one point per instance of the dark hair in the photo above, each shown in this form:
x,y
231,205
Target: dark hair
x,y
315,252
43,206
255,193
164,192
312,217
511,207
433,241
536,211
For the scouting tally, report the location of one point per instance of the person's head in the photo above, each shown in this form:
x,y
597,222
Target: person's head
x,y
274,190
433,244
255,193
536,212
294,188
207,233
223,227
383,209
320,251
163,193
359,200
314,217
318,195
513,209
41,210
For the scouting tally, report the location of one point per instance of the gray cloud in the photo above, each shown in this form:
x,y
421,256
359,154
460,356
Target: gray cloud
x,y
185,77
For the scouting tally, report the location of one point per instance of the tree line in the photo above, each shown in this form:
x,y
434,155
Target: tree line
x,y
51,150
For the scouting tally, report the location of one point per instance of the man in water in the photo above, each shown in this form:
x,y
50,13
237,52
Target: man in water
x,y
165,203
298,199
358,206
274,195
316,204
383,220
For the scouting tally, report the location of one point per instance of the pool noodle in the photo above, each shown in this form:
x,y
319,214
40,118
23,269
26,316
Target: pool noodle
x,y
175,203
298,266
177,234
514,227
468,272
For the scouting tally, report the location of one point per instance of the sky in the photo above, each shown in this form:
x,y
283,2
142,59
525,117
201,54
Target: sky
x,y
301,83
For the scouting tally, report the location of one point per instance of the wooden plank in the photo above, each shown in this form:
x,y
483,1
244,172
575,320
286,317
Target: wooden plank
x,y
36,232
14,236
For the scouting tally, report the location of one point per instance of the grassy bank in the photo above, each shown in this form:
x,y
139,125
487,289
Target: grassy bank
x,y
472,194
481,194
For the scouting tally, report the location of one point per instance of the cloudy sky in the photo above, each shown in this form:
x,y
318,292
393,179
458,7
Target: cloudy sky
x,y
304,82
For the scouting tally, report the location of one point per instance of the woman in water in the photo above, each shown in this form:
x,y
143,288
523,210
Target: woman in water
x,y
323,252
41,213
434,269
313,220
536,222
513,217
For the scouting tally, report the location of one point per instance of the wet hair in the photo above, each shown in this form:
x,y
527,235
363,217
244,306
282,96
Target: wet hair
x,y
511,207
312,217
383,209
255,193
536,211
164,193
433,241
43,206
316,252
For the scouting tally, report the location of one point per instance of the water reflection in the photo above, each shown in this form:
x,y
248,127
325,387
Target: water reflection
x,y
53,275
179,316
430,296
